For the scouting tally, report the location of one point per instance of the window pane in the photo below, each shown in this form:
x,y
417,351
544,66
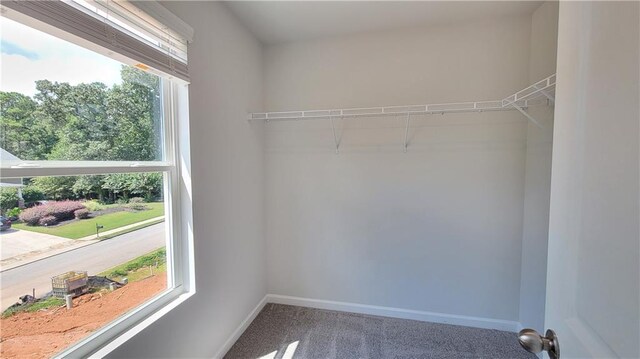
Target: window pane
x,y
99,238
60,101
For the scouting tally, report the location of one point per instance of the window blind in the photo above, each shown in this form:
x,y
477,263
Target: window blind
x,y
154,38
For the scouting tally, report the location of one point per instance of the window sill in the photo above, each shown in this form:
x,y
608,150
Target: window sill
x,y
106,340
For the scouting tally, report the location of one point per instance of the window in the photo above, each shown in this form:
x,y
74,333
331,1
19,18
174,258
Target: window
x,y
94,176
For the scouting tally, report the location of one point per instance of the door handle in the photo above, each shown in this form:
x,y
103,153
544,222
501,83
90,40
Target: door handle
x,y
535,343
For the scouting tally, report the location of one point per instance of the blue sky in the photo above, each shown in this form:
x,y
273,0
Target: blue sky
x,y
27,55
9,48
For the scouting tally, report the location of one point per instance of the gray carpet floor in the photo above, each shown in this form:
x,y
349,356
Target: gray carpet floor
x,y
281,330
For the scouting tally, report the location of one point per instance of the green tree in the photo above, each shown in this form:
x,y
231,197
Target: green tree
x,y
31,193
8,198
86,132
87,122
56,188
89,186
54,102
147,185
118,185
136,110
21,131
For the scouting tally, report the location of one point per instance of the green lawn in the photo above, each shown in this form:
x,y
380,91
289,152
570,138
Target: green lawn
x,y
87,227
139,268
35,306
140,274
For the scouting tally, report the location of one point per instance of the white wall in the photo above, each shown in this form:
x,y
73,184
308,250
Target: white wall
x,y
225,63
436,229
542,63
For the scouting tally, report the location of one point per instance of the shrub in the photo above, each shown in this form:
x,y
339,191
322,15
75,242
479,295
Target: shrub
x,y
48,221
32,215
13,213
81,213
61,210
93,206
137,206
32,194
33,204
137,203
64,209
8,198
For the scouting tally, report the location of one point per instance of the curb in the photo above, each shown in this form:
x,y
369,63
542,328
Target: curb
x,y
46,255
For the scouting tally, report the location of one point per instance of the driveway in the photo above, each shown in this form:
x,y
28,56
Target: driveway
x,y
15,243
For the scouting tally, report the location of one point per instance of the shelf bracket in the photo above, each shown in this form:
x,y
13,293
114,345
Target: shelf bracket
x,y
522,111
546,94
335,137
406,133
549,97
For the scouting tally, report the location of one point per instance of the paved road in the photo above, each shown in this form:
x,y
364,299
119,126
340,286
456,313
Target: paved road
x,y
93,258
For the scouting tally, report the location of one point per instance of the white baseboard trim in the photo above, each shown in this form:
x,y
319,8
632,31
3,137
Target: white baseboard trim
x,y
477,322
241,328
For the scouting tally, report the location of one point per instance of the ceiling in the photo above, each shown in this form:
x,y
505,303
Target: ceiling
x,y
276,22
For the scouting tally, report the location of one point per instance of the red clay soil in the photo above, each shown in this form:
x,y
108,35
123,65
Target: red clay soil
x,y
45,333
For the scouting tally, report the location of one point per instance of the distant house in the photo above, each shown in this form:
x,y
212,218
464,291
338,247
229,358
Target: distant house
x,y
11,182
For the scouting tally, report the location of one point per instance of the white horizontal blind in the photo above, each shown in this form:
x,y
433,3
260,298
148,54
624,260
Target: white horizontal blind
x,y
129,18
120,27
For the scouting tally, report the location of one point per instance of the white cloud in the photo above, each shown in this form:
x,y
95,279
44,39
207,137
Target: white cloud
x,y
58,61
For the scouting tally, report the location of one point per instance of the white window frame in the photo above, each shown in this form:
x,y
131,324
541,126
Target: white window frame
x,y
178,212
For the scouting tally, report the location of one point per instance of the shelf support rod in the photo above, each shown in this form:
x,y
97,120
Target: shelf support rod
x,y
335,138
406,133
546,94
549,97
522,111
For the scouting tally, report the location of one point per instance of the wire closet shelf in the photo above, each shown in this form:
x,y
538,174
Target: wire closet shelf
x,y
538,93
